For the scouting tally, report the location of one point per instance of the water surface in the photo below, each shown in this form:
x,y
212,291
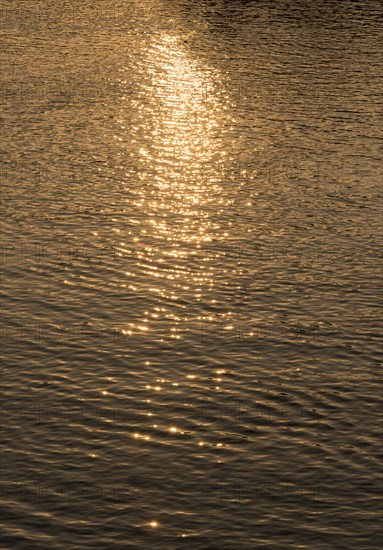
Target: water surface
x,y
191,219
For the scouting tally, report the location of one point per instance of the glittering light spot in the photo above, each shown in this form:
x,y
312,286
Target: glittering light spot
x,y
173,429
153,524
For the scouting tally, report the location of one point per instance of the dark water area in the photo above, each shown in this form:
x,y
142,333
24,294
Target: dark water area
x,y
191,275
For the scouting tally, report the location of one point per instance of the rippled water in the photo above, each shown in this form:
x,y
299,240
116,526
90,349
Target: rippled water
x,y
190,267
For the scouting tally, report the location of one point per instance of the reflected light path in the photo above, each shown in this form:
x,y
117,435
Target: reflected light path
x,y
177,121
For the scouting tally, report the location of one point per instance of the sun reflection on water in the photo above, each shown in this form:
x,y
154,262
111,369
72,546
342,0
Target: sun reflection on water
x,y
177,125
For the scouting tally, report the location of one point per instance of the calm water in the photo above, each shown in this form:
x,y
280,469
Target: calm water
x,y
190,267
